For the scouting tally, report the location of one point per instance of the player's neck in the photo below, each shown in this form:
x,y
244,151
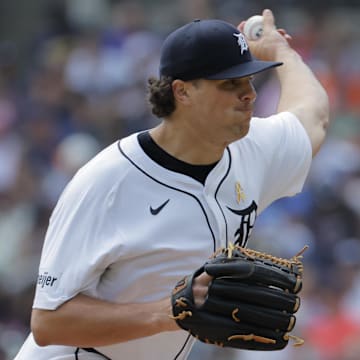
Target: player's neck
x,y
186,145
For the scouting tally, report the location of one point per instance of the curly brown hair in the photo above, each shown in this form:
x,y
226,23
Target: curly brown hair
x,y
161,96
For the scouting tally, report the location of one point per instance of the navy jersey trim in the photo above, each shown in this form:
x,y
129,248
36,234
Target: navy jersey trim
x,y
90,350
216,193
183,347
160,156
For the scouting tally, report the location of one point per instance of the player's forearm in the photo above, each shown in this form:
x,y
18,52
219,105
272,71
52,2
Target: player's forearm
x,y
88,322
302,94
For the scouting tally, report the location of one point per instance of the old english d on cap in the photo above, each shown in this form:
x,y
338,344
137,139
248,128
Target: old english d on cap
x,y
210,49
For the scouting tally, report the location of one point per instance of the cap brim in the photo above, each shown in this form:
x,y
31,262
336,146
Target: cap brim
x,y
244,69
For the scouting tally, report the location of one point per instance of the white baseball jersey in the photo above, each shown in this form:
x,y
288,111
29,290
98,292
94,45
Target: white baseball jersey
x,y
128,227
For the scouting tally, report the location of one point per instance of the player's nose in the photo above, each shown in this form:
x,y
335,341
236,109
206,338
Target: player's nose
x,y
248,93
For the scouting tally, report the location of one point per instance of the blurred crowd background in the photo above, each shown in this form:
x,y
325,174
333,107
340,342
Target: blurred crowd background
x,y
73,80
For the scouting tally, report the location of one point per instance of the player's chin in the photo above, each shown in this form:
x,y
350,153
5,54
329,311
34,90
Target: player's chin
x,y
245,130
239,131
243,118
247,114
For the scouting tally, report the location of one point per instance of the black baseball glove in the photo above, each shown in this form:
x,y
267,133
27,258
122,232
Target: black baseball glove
x,y
250,304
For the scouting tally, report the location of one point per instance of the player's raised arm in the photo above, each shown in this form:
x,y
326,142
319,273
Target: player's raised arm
x,y
301,92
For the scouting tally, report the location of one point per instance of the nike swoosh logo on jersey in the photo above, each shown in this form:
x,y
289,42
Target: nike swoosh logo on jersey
x,y
158,209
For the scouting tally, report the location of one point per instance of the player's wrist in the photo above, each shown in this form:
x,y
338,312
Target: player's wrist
x,y
162,318
285,53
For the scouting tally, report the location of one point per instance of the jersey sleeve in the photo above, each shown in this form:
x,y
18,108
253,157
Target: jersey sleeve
x,y
81,242
286,153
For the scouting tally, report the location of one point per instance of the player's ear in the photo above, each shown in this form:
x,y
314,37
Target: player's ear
x,y
181,91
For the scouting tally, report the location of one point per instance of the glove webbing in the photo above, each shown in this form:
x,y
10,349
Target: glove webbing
x,y
254,254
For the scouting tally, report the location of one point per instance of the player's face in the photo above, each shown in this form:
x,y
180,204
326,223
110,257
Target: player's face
x,y
223,109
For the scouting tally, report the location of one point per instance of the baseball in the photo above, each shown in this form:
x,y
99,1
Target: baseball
x,y
253,28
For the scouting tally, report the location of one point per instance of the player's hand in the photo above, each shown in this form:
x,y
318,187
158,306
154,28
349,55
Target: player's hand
x,y
201,288
271,41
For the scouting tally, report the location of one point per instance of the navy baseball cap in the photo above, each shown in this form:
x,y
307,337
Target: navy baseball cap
x,y
209,49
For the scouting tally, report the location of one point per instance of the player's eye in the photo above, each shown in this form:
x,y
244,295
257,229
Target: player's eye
x,y
229,84
234,84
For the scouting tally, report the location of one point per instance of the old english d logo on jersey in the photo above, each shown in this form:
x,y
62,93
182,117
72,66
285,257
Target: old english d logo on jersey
x,y
247,222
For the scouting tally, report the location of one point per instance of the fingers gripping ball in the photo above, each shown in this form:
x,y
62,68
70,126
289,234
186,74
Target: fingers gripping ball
x,y
251,300
253,27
